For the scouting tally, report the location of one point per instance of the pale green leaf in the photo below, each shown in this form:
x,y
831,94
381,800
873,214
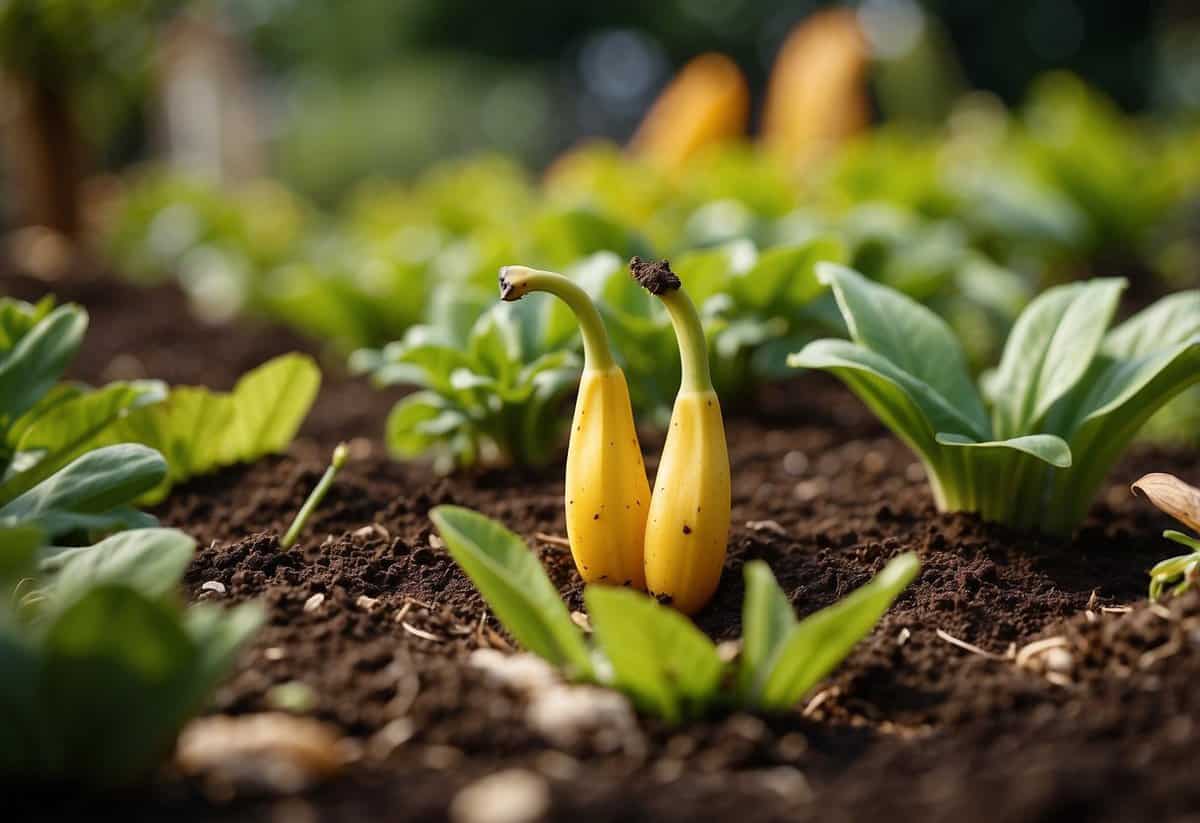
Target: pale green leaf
x,y
767,622
31,368
658,657
515,586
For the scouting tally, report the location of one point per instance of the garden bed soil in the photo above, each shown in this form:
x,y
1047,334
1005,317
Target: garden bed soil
x,y
941,714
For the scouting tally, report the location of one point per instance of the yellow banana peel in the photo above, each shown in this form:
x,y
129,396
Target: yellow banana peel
x,y
707,103
607,495
688,525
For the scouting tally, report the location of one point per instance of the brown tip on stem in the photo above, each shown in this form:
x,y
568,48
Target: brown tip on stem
x,y
509,291
655,276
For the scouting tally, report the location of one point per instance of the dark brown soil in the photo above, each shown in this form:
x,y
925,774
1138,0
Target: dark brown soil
x,y
911,728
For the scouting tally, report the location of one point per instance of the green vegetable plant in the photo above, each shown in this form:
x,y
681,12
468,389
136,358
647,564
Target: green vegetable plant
x,y
1033,447
651,652
102,667
1176,498
53,470
494,398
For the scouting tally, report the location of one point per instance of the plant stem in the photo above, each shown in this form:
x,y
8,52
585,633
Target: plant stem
x,y
517,281
314,499
693,347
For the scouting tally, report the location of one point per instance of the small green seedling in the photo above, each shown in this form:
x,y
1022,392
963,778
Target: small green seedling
x,y
651,652
1033,448
1176,498
315,497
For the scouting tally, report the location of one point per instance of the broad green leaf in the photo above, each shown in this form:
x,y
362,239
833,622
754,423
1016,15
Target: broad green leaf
x,y
151,561
31,368
913,338
911,408
513,583
61,393
767,621
1049,448
74,426
218,634
19,544
494,346
93,484
821,641
114,653
1049,351
269,405
658,657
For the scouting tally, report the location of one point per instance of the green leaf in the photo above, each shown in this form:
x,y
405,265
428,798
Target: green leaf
x,y
817,644
1049,350
908,406
405,432
658,657
152,561
785,277
17,318
199,430
515,586
767,622
74,426
269,404
916,341
1048,448
94,484
31,368
19,545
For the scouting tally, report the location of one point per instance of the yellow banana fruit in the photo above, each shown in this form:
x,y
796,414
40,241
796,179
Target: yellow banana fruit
x,y
607,495
688,524
707,103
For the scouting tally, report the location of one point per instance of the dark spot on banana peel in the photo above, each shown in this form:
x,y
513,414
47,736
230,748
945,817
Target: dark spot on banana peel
x,y
663,599
655,276
687,529
596,516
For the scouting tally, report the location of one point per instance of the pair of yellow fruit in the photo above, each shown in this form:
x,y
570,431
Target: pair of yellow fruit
x,y
670,542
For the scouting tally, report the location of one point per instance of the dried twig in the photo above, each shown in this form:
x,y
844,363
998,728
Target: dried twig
x,y
970,647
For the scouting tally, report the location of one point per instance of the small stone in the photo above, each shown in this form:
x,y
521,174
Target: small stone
x,y
274,653
766,526
509,796
565,715
525,673
313,603
366,603
795,463
581,620
271,752
436,541
215,586
1058,660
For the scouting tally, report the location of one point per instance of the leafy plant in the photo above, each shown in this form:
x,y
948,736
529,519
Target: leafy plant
x,y
494,397
1034,446
199,430
1176,498
101,667
653,653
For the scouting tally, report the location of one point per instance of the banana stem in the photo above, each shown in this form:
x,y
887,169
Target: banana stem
x,y
658,279
517,281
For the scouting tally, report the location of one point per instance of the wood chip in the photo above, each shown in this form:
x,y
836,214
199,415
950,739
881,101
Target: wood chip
x,y
313,603
552,540
1116,609
215,586
970,647
421,633
818,700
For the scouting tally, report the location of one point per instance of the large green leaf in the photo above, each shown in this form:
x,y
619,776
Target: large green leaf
x,y
269,405
94,484
1048,448
658,657
915,340
513,583
31,368
149,560
815,646
1048,352
113,653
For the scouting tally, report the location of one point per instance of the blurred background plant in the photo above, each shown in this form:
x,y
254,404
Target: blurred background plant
x,y
360,170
